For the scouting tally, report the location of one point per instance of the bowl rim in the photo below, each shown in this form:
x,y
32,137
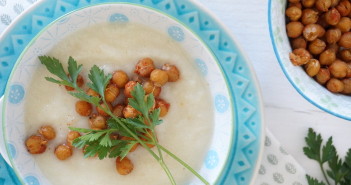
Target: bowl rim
x,y
255,81
251,72
276,51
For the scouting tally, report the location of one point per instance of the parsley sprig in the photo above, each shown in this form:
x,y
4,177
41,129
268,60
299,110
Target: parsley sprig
x,y
100,142
334,168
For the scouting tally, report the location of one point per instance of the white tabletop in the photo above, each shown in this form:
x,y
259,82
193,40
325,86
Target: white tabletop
x,y
288,115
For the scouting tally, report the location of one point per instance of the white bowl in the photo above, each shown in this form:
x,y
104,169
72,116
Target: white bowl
x,y
235,149
335,104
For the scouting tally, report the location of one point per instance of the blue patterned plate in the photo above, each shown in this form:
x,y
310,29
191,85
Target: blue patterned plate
x,y
234,153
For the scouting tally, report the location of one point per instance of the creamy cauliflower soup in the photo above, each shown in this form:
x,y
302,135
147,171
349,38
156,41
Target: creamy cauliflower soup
x,y
186,129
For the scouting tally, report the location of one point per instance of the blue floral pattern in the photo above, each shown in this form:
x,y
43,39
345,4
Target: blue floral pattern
x,y
31,180
202,66
16,94
176,33
12,150
118,18
221,103
212,159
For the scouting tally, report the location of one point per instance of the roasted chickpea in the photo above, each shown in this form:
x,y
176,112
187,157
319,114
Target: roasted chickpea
x,y
308,3
159,77
163,106
332,16
312,67
323,76
294,13
345,40
124,166
299,42
299,5
334,85
294,29
347,86
344,8
344,24
98,122
144,67
80,83
83,108
333,47
348,70
338,69
48,132
294,1
118,110
111,93
149,87
101,111
91,92
128,88
114,136
317,46
130,112
321,21
71,136
323,5
36,144
299,56
157,91
120,78
138,79
345,54
313,31
334,3
134,147
327,57
172,72
333,35
309,16
63,152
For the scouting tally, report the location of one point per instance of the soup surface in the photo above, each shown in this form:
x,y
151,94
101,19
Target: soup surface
x,y
186,130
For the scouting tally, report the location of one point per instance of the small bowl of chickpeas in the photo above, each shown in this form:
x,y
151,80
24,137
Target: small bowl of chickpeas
x,y
312,42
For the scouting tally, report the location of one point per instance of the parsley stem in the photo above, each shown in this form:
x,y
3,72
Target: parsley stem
x,y
323,171
184,164
160,160
166,169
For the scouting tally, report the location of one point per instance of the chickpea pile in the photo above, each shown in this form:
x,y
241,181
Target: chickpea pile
x,y
116,95
319,32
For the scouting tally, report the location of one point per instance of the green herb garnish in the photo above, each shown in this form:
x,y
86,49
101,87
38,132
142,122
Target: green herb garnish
x,y
99,142
331,165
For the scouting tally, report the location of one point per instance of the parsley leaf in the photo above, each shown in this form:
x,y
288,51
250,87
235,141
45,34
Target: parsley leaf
x,y
55,67
313,181
314,142
328,151
74,69
99,80
138,101
336,169
83,96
